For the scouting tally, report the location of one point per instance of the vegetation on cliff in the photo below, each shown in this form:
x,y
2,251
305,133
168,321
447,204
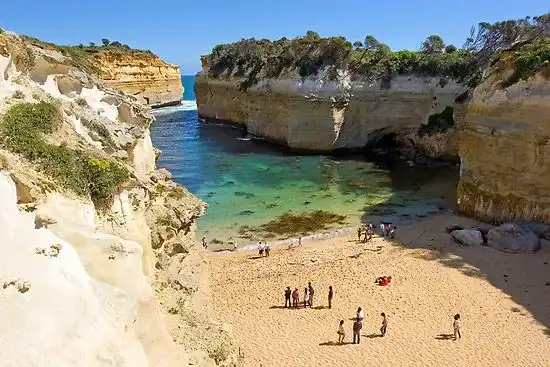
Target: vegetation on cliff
x,y
254,60
22,131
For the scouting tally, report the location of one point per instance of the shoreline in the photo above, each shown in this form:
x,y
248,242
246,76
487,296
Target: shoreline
x,y
338,232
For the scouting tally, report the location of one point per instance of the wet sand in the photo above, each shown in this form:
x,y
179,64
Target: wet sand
x,y
503,300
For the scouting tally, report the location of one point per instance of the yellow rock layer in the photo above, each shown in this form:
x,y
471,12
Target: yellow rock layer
x,y
151,80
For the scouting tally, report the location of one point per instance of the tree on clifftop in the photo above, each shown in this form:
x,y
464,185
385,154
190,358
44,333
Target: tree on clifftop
x,y
312,35
357,45
105,41
433,44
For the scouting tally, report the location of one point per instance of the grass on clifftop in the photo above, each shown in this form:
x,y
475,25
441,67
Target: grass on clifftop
x,y
528,60
22,131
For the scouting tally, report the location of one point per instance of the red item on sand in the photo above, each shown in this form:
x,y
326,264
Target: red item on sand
x,y
384,282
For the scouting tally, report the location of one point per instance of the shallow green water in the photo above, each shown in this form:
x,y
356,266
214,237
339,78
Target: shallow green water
x,y
249,182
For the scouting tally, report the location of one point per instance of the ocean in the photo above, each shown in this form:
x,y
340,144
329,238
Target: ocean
x,y
248,182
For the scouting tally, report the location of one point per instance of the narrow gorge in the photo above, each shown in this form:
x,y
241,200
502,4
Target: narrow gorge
x,y
485,106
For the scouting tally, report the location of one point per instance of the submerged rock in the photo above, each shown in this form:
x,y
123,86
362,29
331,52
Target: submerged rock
x,y
468,237
513,238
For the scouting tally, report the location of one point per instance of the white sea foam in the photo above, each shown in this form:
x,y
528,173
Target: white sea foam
x,y
184,106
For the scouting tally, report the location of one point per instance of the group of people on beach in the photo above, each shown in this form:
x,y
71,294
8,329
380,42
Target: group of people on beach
x,y
263,249
358,325
367,231
309,292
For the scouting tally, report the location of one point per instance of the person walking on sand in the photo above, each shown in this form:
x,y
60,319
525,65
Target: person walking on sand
x,y
295,297
456,327
357,326
311,293
382,229
359,234
204,242
266,249
341,332
288,292
299,241
306,297
384,324
330,295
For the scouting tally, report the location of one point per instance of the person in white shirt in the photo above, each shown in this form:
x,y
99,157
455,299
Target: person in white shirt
x,y
261,249
360,314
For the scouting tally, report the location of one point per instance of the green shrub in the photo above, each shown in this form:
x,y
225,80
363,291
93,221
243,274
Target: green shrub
x,y
438,123
22,131
101,130
528,60
81,102
19,95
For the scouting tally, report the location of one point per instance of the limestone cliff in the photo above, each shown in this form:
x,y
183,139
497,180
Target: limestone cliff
x,y
316,115
99,264
143,75
505,148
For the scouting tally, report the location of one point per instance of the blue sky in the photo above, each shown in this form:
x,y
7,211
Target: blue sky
x,y
181,31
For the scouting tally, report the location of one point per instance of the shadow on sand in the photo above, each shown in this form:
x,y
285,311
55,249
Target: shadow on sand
x,y
445,337
334,344
522,280
373,336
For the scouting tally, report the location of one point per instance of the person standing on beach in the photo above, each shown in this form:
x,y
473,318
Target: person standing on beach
x,y
266,249
384,324
330,295
359,234
360,314
341,332
295,297
311,293
204,242
357,326
299,241
382,229
288,292
456,327
261,249
306,297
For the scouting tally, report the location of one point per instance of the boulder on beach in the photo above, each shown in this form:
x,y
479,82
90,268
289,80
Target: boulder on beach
x,y
468,237
542,230
513,238
453,227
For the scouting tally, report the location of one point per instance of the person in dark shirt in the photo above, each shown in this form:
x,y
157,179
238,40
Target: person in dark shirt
x,y
288,293
357,326
330,295
311,292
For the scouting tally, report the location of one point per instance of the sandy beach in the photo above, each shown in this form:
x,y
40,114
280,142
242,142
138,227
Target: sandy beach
x,y
503,299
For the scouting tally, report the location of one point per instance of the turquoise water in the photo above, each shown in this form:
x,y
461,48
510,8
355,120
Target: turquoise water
x,y
188,82
246,181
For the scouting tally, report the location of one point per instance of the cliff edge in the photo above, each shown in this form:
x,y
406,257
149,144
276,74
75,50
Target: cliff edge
x,y
505,143
99,265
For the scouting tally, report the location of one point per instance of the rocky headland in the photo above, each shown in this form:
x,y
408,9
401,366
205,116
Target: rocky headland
x,y
484,105
138,73
99,264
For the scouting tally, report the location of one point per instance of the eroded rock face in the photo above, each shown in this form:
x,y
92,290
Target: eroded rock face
x,y
505,150
318,116
145,76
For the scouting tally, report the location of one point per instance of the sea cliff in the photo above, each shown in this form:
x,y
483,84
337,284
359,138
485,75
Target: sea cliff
x,y
143,75
324,116
99,263
504,146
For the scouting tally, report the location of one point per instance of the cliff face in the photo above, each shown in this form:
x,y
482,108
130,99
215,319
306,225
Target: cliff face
x,y
116,282
148,78
314,115
505,150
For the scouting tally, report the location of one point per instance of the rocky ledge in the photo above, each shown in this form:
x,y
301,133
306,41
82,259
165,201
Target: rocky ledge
x,y
99,263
